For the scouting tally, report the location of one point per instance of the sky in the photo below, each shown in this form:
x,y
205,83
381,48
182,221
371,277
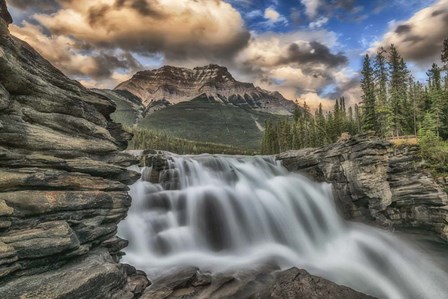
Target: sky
x,y
309,50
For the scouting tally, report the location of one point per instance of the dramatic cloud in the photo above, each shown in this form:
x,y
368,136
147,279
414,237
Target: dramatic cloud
x,y
298,64
313,53
63,53
420,38
303,49
176,28
97,41
104,42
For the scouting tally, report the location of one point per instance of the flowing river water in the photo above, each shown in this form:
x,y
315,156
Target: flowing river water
x,y
230,213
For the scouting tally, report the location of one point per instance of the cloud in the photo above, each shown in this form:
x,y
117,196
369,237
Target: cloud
x,y
348,86
305,49
272,18
64,53
271,14
97,41
419,38
176,28
104,42
254,14
311,7
318,23
313,53
298,64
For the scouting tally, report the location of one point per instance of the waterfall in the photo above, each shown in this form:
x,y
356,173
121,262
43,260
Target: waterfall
x,y
221,213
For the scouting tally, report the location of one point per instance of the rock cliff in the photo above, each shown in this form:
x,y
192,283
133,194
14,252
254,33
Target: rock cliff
x,y
374,181
169,85
63,183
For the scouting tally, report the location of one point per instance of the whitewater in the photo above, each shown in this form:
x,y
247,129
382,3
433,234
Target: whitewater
x,y
223,214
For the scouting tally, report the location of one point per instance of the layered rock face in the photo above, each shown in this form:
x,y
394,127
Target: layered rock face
x,y
63,183
375,181
171,85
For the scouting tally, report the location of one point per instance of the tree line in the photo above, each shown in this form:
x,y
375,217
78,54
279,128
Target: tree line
x,y
393,103
149,139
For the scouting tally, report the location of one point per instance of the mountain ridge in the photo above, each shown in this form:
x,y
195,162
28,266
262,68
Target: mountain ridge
x,y
169,85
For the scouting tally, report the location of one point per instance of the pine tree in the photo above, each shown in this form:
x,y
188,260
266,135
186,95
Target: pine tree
x,y
351,127
381,80
412,112
398,74
369,121
358,119
427,134
337,119
436,96
444,56
320,127
344,120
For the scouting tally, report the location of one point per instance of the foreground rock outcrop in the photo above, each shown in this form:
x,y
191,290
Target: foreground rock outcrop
x,y
374,181
63,183
260,283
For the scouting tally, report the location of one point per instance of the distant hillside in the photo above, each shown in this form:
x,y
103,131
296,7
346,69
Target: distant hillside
x,y
207,120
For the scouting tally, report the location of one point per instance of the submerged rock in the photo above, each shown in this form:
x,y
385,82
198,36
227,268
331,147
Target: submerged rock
x,y
374,181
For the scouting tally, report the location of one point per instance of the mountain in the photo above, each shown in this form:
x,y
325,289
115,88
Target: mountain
x,y
204,104
169,85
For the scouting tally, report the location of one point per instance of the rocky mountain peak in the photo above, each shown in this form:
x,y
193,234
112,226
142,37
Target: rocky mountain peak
x,y
178,84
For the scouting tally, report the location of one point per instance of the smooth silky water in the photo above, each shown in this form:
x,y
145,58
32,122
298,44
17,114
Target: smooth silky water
x,y
234,213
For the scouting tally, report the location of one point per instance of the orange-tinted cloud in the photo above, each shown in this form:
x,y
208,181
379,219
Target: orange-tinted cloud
x,y
193,28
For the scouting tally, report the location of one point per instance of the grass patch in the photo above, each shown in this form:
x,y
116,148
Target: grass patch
x,y
403,140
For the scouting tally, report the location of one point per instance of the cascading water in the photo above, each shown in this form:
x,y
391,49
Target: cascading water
x,y
236,212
